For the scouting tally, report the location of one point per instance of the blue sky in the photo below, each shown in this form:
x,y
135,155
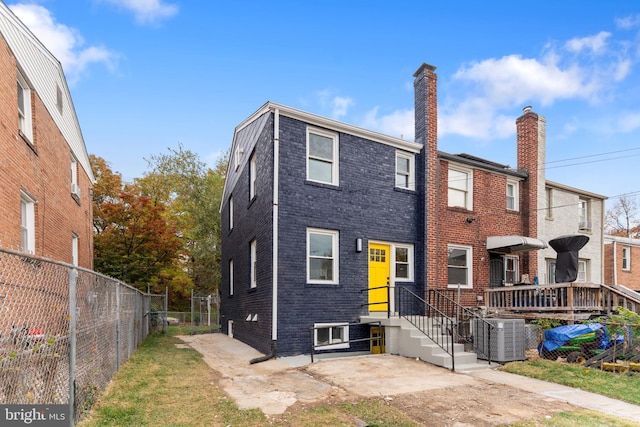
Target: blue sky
x,y
146,75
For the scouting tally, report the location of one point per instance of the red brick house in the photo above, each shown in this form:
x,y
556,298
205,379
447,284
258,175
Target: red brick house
x,y
622,261
45,175
491,223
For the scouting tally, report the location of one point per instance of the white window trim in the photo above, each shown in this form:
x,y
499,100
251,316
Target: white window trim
x,y
411,180
335,255
549,200
516,195
516,274
74,248
27,224
254,264
342,344
626,250
410,259
335,161
469,194
252,176
584,215
24,121
237,158
469,251
230,213
230,277
585,263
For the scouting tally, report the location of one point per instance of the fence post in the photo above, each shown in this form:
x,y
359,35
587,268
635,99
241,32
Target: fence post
x,y
192,313
73,275
118,309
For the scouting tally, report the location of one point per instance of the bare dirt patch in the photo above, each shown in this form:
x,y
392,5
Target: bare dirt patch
x,y
428,394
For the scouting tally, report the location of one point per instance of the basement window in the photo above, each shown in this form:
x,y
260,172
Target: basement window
x,y
330,336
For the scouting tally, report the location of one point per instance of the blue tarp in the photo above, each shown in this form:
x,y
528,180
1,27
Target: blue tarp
x,y
556,337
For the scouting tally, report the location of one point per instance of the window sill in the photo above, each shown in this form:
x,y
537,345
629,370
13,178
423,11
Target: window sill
x,y
28,142
459,286
323,185
404,190
322,285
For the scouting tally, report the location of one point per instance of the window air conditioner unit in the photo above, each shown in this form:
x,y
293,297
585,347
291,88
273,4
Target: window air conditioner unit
x,y
75,190
504,340
584,225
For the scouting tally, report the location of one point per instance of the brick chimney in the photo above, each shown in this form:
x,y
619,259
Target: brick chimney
x,y
426,133
531,136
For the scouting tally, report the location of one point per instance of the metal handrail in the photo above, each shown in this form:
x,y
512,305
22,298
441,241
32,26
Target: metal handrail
x,y
413,308
388,302
454,306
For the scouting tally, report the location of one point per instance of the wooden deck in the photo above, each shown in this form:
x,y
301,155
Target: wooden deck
x,y
569,301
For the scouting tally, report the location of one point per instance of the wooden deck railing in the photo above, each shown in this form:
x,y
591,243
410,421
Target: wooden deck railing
x,y
559,297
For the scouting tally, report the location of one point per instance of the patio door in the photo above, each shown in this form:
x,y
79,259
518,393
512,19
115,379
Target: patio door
x,y
379,276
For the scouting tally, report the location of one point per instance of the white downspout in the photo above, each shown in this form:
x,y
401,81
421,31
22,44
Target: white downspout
x,y
274,251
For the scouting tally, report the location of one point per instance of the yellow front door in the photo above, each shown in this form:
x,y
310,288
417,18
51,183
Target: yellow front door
x,y
379,272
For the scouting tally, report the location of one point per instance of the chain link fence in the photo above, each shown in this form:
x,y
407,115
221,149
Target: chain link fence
x,y
64,331
605,345
205,313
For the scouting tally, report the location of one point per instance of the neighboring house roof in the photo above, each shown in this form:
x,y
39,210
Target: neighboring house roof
x,y
608,238
246,133
44,73
575,190
478,162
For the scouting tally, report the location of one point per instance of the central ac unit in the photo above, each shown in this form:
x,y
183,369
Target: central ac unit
x,y
501,340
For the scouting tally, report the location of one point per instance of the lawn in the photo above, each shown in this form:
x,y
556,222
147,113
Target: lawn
x,y
163,385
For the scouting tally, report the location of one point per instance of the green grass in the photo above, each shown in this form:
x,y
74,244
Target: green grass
x,y
163,385
617,386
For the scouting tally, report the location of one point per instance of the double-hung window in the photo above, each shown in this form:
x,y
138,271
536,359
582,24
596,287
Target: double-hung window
x,y
27,228
74,248
404,262
512,195
252,176
626,258
511,269
460,188
322,256
24,108
230,277
75,188
405,170
230,213
459,266
582,271
322,156
254,264
584,217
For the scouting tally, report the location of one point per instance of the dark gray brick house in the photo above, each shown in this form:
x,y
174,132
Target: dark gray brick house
x,y
318,216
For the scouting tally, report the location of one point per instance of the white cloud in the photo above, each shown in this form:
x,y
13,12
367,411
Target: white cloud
x,y
147,11
596,44
399,123
629,122
65,43
340,106
628,22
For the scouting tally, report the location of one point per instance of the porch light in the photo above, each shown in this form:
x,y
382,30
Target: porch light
x,y
359,244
